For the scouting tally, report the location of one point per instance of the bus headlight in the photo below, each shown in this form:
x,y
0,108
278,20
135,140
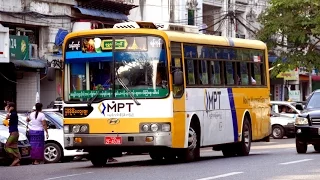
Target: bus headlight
x,y
301,121
76,129
145,128
154,127
83,128
166,127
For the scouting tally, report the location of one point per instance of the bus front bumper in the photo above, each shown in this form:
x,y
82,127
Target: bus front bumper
x,y
82,141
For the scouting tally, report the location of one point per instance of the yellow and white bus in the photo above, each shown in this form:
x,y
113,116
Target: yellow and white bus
x,y
163,89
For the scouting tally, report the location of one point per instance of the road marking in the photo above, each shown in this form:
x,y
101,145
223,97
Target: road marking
x,y
221,176
293,162
59,177
278,146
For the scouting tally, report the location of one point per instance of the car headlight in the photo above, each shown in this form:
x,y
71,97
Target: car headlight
x,y
301,121
3,139
66,129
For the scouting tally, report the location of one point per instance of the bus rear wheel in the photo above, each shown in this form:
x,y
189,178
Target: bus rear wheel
x,y
245,145
191,153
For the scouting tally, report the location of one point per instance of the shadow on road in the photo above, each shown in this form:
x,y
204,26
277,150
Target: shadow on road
x,y
163,162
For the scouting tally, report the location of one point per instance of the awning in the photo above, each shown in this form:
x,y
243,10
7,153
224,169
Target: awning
x,y
35,64
100,13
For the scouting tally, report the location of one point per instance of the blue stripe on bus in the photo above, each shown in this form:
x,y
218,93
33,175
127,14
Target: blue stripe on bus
x,y
233,114
81,55
231,42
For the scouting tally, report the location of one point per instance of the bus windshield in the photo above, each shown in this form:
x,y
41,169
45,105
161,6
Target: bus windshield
x,y
96,66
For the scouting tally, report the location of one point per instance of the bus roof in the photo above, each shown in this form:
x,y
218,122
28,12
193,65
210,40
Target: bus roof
x,y
178,36
214,40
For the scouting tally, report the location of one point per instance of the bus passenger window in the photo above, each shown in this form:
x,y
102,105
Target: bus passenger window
x,y
244,73
257,73
203,72
229,73
190,72
215,72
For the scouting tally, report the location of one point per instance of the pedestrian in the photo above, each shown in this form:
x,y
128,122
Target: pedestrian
x,y
11,146
6,103
36,134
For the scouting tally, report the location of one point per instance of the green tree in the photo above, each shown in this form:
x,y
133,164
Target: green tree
x,y
293,28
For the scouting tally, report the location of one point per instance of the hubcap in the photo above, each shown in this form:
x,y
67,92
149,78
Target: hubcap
x,y
50,153
246,136
192,139
276,132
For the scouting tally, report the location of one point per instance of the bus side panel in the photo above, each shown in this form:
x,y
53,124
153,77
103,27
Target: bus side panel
x,y
256,102
179,129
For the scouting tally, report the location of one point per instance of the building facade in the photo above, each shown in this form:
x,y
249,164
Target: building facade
x,y
231,18
37,29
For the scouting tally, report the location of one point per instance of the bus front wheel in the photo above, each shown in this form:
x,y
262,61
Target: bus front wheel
x,y
156,156
193,151
97,159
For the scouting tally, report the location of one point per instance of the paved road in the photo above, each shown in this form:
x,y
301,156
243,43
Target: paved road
x,y
276,160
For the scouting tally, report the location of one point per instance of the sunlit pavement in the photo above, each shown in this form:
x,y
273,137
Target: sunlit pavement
x,y
276,160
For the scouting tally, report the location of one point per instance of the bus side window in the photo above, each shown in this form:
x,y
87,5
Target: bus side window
x,y
176,63
177,90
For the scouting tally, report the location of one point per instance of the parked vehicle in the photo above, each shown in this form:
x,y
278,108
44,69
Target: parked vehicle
x,y
54,146
283,114
307,124
23,145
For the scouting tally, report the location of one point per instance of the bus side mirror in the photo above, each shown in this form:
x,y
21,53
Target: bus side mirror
x,y
178,77
51,73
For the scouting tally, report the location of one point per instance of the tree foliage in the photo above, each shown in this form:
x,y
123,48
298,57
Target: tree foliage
x,y
292,28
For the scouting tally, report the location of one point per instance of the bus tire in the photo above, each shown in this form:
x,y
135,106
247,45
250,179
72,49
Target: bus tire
x,y
97,159
192,152
229,150
156,156
245,145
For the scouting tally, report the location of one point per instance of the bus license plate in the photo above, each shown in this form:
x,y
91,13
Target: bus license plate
x,y
113,140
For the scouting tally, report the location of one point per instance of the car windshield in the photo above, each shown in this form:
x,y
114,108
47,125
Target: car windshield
x,y
57,117
314,101
3,116
136,62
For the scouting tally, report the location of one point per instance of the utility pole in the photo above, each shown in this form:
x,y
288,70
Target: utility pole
x,y
310,82
172,8
231,9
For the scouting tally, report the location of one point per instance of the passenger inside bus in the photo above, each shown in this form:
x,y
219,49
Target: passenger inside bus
x,y
100,78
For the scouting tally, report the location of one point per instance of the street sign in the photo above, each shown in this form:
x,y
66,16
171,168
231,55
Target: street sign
x,y
19,47
4,44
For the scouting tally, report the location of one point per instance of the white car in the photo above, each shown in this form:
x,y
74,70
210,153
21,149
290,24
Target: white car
x,y
54,147
23,145
283,115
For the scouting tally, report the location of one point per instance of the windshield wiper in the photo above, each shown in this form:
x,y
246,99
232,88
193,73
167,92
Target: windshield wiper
x,y
93,98
127,89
